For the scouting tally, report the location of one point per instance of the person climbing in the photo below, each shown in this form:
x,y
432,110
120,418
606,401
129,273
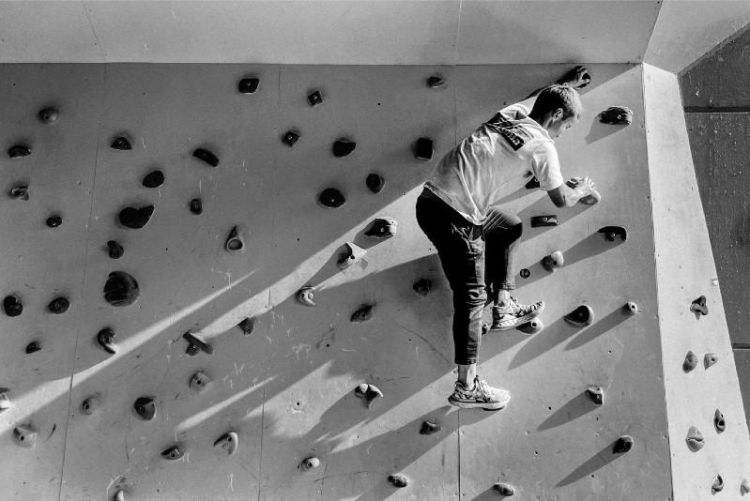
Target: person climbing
x,y
459,212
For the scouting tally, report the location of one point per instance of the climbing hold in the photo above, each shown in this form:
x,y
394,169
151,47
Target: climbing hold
x,y
745,487
153,179
623,445
247,325
533,326
54,221
119,496
196,343
121,143
25,436
196,206
234,241
580,317
306,296
33,347
613,232
691,362
290,137
694,439
435,81
310,463
504,489
145,407
5,402
19,192
368,392
172,453
422,286
89,405
485,328
525,273
136,217
382,228
58,305
375,182
424,149
48,115
199,381
398,480
537,221
12,305
596,394
121,289
363,313
352,254
114,249
718,485
429,427
616,115
710,359
630,308
719,421
248,85
105,338
331,197
315,98
206,156
552,261
229,442
533,184
18,151
343,146
700,306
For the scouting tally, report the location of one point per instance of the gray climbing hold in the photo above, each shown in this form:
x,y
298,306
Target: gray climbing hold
x,y
539,221
699,306
19,192
375,182
315,98
429,427
196,343
247,325
121,143
58,305
54,221
153,179
424,149
33,347
343,146
25,436
105,338
145,407
5,402
382,228
121,289
229,442
12,305
745,487
114,249
206,156
616,115
504,489
718,485
306,296
309,463
694,439
90,404
331,197
48,115
623,445
368,392
352,255
136,217
719,422
363,313
19,150
248,85
553,261
435,81
290,137
691,362
172,453
196,206
580,317
422,286
398,480
710,359
199,381
596,394
630,308
234,241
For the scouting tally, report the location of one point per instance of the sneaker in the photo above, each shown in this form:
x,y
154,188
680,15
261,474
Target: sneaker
x,y
482,395
509,314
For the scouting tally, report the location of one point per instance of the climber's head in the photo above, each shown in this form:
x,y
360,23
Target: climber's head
x,y
557,108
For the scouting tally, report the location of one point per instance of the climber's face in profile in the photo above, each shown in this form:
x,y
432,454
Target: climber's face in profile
x,y
558,123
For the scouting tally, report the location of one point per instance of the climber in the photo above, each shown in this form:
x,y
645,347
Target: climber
x,y
458,211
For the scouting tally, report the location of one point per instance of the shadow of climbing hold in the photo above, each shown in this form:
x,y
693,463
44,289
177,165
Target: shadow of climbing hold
x,y
699,306
375,182
719,421
229,442
19,150
196,206
595,394
306,296
145,407
582,316
54,221
12,305
553,260
19,192
121,143
691,362
363,313
310,463
121,289
58,305
290,137
424,149
694,439
422,286
248,85
524,273
745,487
435,81
710,359
398,480
119,496
630,308
153,179
533,326
537,221
105,338
196,343
48,115
89,406
352,254
616,115
623,445
504,489
199,381
114,249
234,241
611,233
718,485
25,436
368,392
206,156
429,427
33,347
315,98
382,228
533,184
172,453
331,197
343,146
136,217
247,325
5,402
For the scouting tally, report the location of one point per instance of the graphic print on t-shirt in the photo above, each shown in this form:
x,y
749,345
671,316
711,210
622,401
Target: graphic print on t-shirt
x,y
514,134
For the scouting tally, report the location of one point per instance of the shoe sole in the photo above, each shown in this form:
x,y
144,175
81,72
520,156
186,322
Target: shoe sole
x,y
481,405
518,321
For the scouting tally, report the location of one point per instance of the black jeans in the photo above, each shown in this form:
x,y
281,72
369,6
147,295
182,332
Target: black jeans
x,y
462,246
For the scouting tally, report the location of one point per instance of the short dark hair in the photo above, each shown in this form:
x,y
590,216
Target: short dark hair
x,y
557,96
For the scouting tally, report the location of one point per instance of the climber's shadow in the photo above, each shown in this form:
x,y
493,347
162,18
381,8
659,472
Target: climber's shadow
x,y
571,411
599,130
542,342
599,460
592,332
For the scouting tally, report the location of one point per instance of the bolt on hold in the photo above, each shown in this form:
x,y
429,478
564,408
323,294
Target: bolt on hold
x,y
121,143
306,296
398,480
25,436
504,489
54,221
710,359
234,241
596,394
196,343
553,261
691,362
368,392
199,381
719,423
309,463
48,115
105,338
248,85
580,317
382,228
331,197
290,137
699,306
315,98
172,453
694,439
630,308
612,233
229,442
616,115
352,254
623,445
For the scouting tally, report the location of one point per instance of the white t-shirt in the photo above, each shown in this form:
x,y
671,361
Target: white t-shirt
x,y
499,158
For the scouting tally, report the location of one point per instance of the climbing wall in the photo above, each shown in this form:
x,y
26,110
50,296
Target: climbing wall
x,y
216,379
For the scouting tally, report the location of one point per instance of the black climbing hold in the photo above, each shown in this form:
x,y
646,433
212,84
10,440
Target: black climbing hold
x,y
533,184
153,179
19,192
694,439
435,80
121,289
172,453
12,305
145,407
248,85
616,115
623,444
48,115
206,156
363,313
33,347
25,436
58,305
351,255
422,286
710,359
315,98
196,343
719,421
398,480
290,137
375,182
196,206
114,249
581,316
424,149
700,306
306,296
429,427
504,489
718,485
382,228
229,442
121,143
691,362
54,221
630,308
90,405
331,197
342,147
537,221
105,338
136,217
745,486
611,233
552,261
596,394
247,325
19,150
368,392
234,241
199,381
525,273
309,463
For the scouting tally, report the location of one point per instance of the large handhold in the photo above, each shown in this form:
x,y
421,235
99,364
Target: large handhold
x,y
424,149
623,445
382,228
694,439
121,289
172,453
582,316
136,217
248,85
352,254
12,305
206,156
145,407
699,306
553,261
234,241
121,143
106,338
25,436
616,115
58,305
153,179
331,197
228,442
343,147
19,150
196,343
368,392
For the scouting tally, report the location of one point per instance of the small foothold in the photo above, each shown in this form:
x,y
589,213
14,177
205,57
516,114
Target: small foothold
x,y
435,81
19,192
504,489
700,306
581,316
54,221
206,156
691,362
429,427
352,254
630,308
121,143
33,347
310,463
48,115
718,485
342,147
694,439
18,151
485,328
611,233
422,286
533,184
524,273
290,137
382,228
745,487
375,182
90,405
234,241
424,149
315,98
199,381
196,206
229,442
58,305
172,453
247,325
596,394
121,289
719,421
12,305
136,217
306,296
623,445
331,197
710,359
114,249
538,221
119,496
616,115
196,343
533,326
363,313
24,436
398,480
5,402
153,179
368,392
552,261
105,338
145,407
248,85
